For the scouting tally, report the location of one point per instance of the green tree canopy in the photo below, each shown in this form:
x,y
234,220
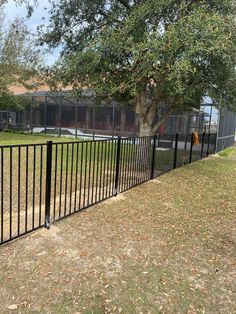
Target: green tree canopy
x,y
149,53
19,60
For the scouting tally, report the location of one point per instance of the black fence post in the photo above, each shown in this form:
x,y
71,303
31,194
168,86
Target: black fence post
x,y
191,150
31,117
215,149
48,184
45,115
176,150
60,107
202,148
117,166
186,141
153,156
208,144
76,118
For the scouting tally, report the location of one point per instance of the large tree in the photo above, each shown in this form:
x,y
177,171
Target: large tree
x,y
149,53
20,60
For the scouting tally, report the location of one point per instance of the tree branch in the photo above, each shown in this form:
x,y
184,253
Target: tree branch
x,y
107,16
125,4
163,119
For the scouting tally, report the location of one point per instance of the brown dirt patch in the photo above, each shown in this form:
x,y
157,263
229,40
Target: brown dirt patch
x,y
167,246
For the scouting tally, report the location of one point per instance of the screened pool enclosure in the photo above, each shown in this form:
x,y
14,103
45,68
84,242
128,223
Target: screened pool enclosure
x,y
59,113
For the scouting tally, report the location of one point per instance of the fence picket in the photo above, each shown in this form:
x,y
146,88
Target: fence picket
x,y
48,184
71,176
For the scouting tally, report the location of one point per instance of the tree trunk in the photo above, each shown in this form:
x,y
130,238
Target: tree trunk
x,y
147,111
146,116
145,129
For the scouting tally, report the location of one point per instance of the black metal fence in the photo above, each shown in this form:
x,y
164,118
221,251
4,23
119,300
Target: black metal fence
x,y
226,130
43,183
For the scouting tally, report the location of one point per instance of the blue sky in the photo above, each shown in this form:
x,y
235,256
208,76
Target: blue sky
x,y
12,10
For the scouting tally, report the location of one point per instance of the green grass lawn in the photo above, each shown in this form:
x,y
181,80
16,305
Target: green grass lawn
x,y
167,246
164,158
7,138
82,173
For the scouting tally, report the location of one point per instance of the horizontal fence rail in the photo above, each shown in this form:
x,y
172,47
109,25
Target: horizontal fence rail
x,y
43,183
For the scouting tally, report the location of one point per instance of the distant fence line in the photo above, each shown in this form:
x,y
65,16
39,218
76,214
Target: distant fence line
x,y
43,183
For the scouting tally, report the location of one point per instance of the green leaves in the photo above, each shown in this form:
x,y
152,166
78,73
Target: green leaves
x,y
176,52
19,60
